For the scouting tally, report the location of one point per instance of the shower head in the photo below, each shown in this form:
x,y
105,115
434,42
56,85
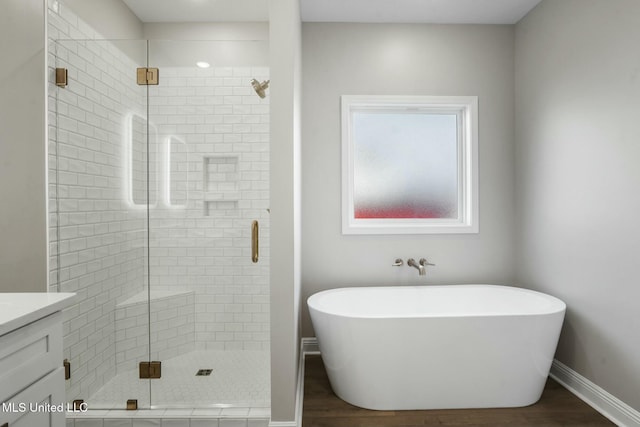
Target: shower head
x,y
260,87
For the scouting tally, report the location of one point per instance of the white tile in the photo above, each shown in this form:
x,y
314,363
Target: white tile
x,y
213,412
260,412
204,422
91,413
235,412
175,422
87,422
119,413
143,422
178,413
230,422
115,422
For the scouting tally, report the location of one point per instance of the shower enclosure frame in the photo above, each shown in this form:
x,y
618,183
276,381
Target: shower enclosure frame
x,y
60,223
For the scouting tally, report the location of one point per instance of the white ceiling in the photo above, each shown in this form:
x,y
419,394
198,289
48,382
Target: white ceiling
x,y
390,11
417,11
200,10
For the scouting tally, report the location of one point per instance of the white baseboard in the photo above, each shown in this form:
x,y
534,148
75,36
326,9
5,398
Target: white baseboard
x,y
309,345
596,397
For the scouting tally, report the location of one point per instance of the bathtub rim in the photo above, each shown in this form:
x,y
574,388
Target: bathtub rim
x,y
558,306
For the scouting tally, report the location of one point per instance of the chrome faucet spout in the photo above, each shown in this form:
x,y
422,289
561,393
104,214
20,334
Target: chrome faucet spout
x,y
421,268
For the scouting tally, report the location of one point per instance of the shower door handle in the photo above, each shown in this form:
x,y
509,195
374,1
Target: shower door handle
x,y
254,241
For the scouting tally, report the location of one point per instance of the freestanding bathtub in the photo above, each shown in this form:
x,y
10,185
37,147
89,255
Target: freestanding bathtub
x,y
437,347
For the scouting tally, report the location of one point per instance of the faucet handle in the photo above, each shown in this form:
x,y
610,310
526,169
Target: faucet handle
x,y
423,262
398,263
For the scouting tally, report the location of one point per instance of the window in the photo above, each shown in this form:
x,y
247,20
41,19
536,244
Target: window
x,y
409,164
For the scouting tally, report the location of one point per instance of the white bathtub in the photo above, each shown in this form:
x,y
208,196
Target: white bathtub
x,y
437,347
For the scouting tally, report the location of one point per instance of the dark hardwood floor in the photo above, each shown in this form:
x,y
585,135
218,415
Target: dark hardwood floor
x,y
557,407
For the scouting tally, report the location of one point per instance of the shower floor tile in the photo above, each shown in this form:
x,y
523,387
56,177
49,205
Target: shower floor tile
x,y
239,380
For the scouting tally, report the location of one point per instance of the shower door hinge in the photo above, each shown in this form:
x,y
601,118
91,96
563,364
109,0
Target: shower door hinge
x,y
62,77
150,370
67,369
78,404
147,76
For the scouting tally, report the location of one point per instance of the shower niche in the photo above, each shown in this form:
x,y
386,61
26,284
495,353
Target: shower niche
x,y
153,189
220,184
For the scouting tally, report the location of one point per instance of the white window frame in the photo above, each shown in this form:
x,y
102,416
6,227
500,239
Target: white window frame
x,y
466,110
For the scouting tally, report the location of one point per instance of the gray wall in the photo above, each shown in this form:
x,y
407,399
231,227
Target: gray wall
x,y
353,59
578,133
206,30
284,92
23,233
111,18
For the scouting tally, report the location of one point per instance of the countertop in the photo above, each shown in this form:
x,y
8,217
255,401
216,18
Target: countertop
x,y
19,309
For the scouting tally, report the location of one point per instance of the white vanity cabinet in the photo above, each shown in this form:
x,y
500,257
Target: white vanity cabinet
x,y
32,391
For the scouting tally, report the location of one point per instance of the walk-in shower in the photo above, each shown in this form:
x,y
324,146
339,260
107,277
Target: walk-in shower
x,y
154,188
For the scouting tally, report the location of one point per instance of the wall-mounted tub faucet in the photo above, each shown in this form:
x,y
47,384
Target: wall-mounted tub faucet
x,y
412,263
421,265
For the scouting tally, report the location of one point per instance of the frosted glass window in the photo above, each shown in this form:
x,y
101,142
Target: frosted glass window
x,y
405,165
409,165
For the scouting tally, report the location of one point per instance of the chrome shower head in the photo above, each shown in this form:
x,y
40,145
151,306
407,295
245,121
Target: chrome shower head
x,y
260,87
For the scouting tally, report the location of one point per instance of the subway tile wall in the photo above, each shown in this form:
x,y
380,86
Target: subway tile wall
x,y
209,139
214,131
172,327
97,239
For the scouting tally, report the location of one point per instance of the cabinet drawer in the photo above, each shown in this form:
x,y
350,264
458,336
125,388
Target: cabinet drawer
x,y
29,353
37,406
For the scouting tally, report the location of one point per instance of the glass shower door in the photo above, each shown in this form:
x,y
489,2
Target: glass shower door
x,y
101,175
154,193
209,305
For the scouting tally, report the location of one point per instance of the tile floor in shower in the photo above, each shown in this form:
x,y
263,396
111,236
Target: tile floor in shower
x,y
238,380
